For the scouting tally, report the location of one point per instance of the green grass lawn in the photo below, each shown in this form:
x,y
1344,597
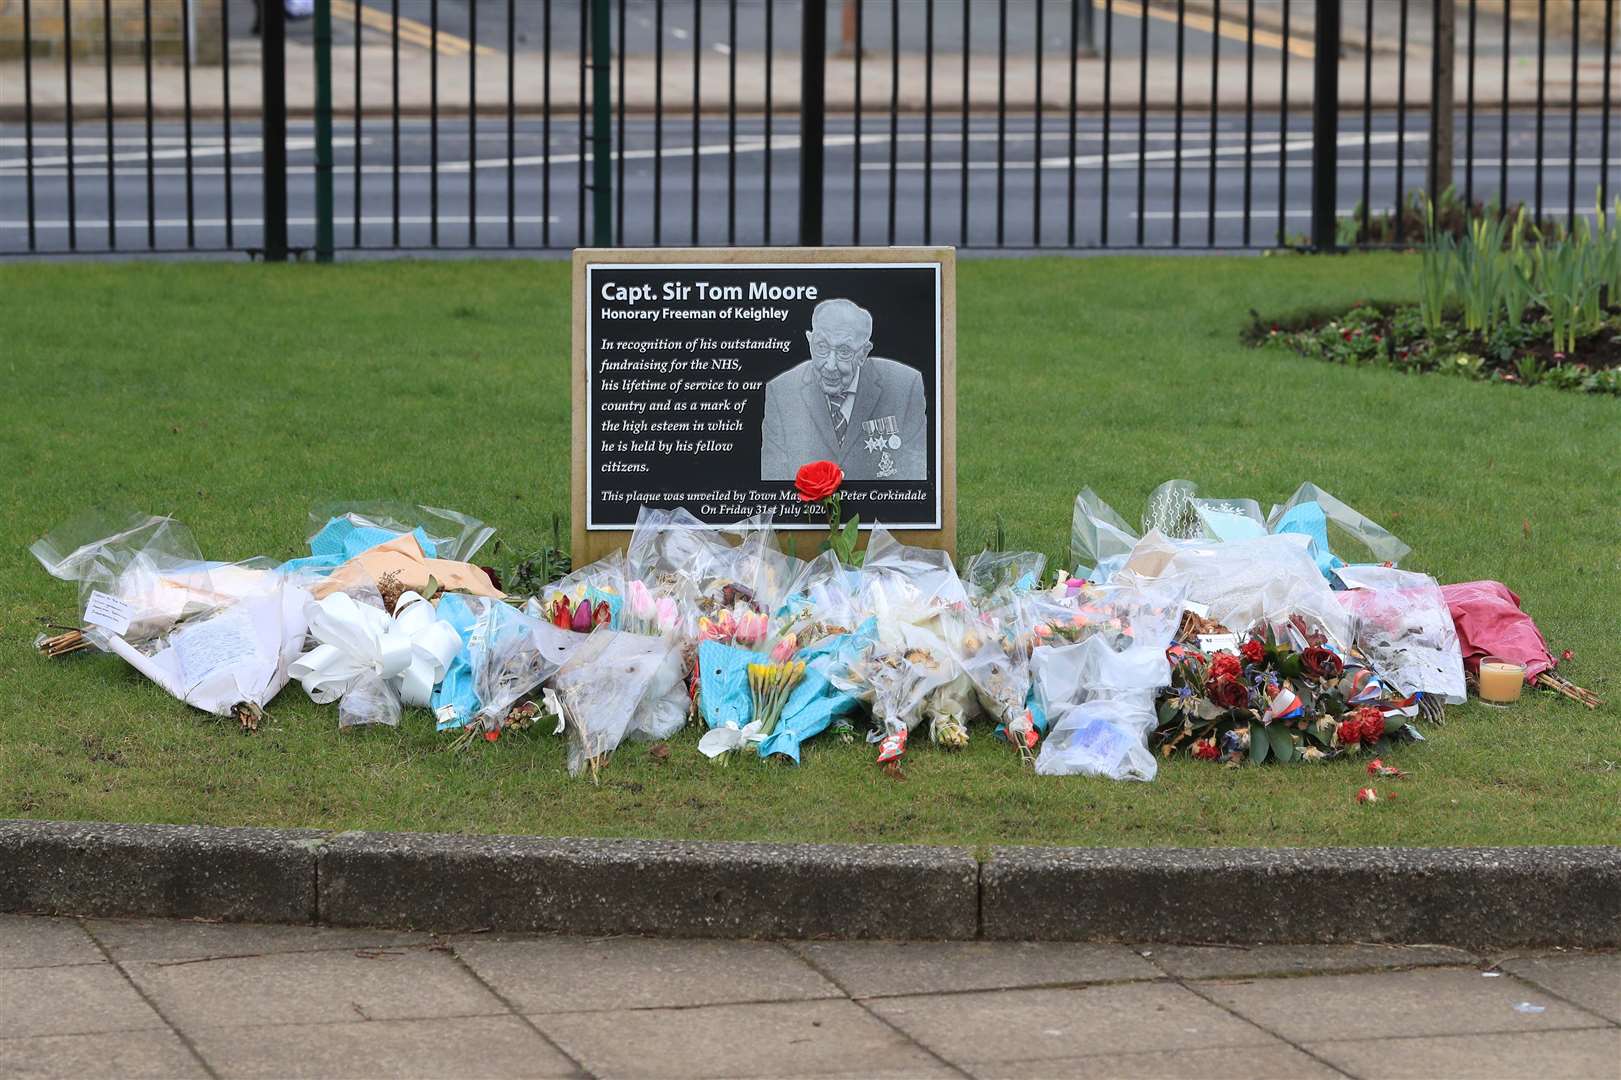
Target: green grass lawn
x,y
234,397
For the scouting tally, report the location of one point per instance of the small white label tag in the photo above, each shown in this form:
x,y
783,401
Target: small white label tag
x,y
108,612
445,713
1212,643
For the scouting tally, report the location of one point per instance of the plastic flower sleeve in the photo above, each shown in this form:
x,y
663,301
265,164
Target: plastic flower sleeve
x,y
674,542
444,534
1097,535
989,650
996,572
820,600
1170,510
511,653
601,686
1347,527
898,669
1098,694
138,575
1405,629
913,576
1252,583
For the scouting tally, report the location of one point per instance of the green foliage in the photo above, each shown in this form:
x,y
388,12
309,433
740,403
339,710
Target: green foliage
x,y
1498,269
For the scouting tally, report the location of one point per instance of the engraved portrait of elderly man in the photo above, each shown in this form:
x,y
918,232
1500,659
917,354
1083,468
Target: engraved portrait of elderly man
x,y
845,405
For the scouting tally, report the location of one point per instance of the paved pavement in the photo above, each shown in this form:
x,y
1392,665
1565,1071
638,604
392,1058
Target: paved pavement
x,y
97,997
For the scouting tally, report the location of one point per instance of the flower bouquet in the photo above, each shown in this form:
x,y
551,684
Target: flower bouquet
x,y
605,687
1299,698
1098,692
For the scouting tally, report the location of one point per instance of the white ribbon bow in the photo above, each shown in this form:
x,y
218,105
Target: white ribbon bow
x,y
728,737
409,651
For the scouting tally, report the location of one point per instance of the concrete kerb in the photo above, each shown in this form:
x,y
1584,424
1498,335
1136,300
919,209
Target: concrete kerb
x,y
1467,897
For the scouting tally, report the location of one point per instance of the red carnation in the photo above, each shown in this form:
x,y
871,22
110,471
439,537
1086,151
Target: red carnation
x,y
818,480
1321,662
1228,693
1373,724
1253,651
1205,750
1225,666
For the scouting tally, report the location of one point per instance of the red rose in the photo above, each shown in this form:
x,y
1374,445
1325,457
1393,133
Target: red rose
x,y
1205,750
1253,651
1321,662
1228,693
1225,666
818,480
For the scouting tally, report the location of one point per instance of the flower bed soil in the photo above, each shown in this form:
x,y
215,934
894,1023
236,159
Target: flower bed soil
x,y
1395,336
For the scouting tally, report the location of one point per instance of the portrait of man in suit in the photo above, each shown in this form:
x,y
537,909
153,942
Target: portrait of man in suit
x,y
845,405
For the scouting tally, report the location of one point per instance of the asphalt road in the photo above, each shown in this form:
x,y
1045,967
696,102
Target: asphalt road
x,y
1001,205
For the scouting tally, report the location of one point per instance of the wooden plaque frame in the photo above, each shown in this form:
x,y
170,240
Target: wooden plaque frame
x,y
588,546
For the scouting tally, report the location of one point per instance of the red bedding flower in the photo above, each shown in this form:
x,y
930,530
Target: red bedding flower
x,y
1253,651
1225,666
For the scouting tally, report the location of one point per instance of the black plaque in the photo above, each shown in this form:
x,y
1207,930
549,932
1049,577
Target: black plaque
x,y
708,384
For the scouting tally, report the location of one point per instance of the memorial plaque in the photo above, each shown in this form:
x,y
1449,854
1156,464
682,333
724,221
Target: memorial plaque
x,y
704,378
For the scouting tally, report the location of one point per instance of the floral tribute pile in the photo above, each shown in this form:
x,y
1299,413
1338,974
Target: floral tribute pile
x,y
1212,632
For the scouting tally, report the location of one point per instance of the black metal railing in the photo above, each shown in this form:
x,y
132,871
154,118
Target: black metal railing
x,y
213,126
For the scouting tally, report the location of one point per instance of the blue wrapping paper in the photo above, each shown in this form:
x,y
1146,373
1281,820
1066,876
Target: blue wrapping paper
x,y
454,703
341,540
1308,519
812,706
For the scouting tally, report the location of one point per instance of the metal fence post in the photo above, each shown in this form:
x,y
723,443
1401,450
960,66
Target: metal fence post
x,y
1325,110
323,131
812,119
273,128
1442,64
602,222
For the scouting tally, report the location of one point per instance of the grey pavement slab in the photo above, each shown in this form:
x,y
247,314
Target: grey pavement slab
x,y
888,968
1035,1025
801,1038
483,1046
1236,961
80,1000
313,988
1592,981
1396,1004
32,941
1591,1054
129,1055
170,939
578,975
1269,1062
